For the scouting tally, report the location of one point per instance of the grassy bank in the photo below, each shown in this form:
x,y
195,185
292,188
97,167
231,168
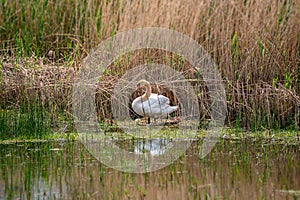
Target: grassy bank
x,y
255,45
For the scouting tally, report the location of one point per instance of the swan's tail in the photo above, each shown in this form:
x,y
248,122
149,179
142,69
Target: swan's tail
x,y
171,109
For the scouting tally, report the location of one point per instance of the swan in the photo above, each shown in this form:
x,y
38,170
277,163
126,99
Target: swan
x,y
150,104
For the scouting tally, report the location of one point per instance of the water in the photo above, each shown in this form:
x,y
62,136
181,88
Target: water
x,y
235,169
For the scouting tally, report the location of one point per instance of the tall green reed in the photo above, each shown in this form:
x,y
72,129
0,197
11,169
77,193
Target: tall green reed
x,y
29,120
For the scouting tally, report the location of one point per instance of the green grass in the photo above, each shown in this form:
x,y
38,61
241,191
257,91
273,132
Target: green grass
x,y
111,132
26,122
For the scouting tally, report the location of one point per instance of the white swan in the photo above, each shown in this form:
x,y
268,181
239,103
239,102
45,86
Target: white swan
x,y
150,104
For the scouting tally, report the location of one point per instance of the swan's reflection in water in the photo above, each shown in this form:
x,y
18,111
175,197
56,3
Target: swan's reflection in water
x,y
155,147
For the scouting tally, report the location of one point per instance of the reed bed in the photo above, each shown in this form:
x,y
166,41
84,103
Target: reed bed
x,y
255,45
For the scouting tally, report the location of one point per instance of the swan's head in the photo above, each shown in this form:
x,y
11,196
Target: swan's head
x,y
141,83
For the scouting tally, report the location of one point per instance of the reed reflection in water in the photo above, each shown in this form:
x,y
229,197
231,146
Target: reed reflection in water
x,y
242,169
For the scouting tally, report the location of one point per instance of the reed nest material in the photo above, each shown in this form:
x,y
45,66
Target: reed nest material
x,y
174,121
44,83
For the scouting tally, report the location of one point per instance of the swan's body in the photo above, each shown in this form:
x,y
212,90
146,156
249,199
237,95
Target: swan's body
x,y
152,105
156,106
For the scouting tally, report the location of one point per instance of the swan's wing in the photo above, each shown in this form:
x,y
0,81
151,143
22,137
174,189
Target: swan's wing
x,y
163,99
156,99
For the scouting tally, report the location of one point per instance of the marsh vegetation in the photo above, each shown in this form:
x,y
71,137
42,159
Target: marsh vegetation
x,y
255,46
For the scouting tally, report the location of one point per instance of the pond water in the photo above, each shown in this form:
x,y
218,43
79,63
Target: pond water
x,y
234,169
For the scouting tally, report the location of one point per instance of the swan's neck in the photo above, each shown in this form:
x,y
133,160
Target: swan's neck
x,y
147,94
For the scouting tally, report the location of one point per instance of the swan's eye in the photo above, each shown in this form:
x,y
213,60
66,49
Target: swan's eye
x,y
137,86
